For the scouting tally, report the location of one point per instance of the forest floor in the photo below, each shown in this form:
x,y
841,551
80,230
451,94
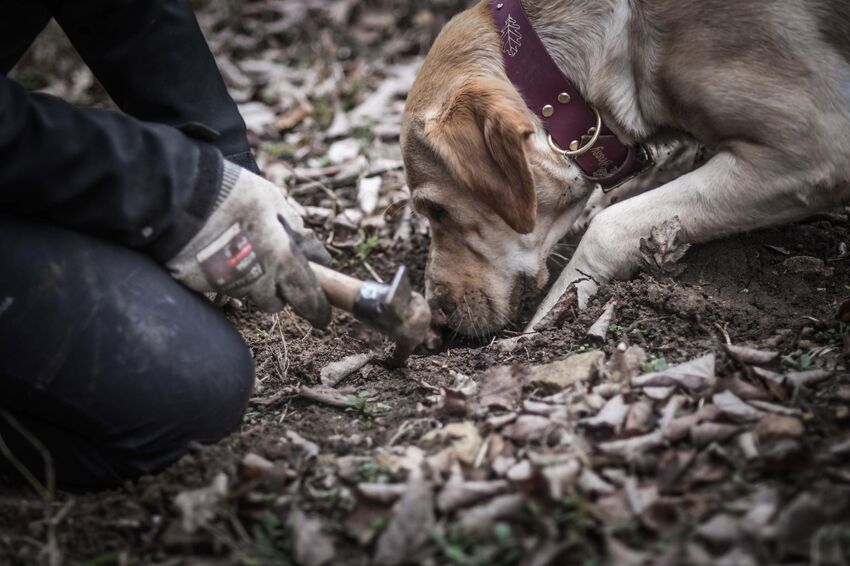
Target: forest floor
x,y
708,426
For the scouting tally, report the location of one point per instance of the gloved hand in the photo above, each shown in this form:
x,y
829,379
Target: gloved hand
x,y
254,244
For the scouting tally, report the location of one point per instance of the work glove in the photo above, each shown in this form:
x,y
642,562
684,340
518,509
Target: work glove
x,y
254,244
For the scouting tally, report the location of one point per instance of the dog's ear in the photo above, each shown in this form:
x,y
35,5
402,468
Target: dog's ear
x,y
481,133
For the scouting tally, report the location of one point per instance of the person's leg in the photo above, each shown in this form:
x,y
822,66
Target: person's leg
x,y
111,364
20,22
152,58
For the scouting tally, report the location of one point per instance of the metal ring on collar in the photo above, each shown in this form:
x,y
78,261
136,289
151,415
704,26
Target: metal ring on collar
x,y
583,149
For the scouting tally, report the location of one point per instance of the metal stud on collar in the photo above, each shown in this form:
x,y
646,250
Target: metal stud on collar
x,y
583,149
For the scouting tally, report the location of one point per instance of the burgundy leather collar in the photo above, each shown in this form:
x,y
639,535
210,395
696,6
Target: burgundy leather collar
x,y
574,127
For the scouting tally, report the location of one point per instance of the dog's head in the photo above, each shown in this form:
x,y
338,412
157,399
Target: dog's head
x,y
479,168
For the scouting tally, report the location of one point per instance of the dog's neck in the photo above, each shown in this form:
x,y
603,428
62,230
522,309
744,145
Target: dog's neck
x,y
594,43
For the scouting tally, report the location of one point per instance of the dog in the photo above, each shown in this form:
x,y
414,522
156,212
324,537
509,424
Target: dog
x,y
739,109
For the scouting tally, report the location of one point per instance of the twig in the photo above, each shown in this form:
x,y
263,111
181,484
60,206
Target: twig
x,y
45,491
318,184
327,396
722,329
372,272
54,554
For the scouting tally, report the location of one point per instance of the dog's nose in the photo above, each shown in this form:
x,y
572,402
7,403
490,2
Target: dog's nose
x,y
441,309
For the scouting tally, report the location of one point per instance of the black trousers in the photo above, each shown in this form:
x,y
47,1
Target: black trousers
x,y
108,362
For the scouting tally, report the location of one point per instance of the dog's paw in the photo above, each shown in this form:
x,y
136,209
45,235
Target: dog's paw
x,y
662,250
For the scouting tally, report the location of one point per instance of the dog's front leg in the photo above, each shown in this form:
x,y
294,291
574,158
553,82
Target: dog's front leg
x,y
725,196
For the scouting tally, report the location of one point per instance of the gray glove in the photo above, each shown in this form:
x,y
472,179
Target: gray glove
x,y
254,244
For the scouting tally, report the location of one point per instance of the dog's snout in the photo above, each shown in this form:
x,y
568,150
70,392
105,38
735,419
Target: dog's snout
x,y
442,308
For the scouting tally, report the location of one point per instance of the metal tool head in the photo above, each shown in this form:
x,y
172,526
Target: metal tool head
x,y
398,294
396,310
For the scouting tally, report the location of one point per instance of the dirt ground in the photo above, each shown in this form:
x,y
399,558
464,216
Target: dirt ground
x,y
476,454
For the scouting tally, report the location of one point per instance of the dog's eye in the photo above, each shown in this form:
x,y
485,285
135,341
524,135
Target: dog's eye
x,y
435,212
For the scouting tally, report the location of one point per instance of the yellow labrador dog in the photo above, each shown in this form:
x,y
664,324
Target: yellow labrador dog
x,y
532,120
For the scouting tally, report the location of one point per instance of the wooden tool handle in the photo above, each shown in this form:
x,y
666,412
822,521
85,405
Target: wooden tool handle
x,y
341,289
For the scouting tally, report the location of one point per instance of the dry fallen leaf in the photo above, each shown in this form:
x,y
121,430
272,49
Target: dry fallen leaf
x,y
481,518
464,437
610,419
625,363
751,356
574,369
598,332
640,419
735,410
695,376
662,249
561,477
632,448
808,377
721,529
529,428
705,433
458,493
382,492
410,526
501,388
198,507
312,546
772,426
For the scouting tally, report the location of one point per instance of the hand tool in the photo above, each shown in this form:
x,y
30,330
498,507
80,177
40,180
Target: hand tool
x,y
393,309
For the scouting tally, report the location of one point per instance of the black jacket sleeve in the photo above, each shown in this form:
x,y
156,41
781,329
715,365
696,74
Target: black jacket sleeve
x,y
152,58
145,185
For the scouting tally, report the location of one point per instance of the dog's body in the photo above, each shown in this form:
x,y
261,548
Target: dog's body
x,y
765,86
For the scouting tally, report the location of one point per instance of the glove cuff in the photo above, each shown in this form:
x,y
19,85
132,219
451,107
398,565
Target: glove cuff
x,y
204,199
229,176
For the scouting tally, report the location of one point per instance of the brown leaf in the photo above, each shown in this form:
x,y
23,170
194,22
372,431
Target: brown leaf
x,y
640,419
291,118
695,376
452,403
574,369
382,492
312,546
808,377
464,437
610,419
481,518
706,433
632,448
625,363
751,356
598,332
662,249
501,388
458,493
529,428
561,477
198,507
410,527
735,410
721,529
